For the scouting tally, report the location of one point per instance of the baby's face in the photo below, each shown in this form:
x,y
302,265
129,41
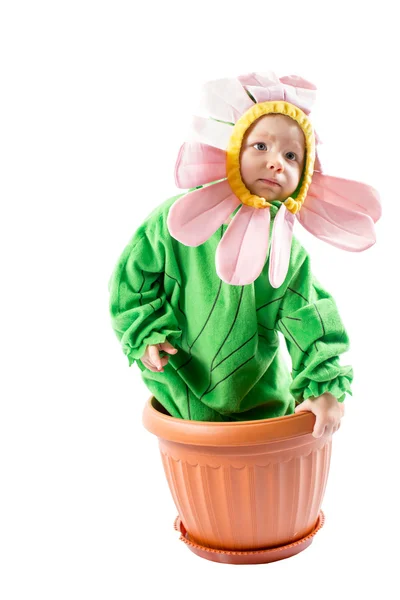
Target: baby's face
x,y
272,157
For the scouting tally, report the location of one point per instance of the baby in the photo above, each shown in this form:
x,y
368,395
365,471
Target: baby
x,y
204,334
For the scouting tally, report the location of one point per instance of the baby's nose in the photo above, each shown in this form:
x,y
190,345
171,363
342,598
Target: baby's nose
x,y
274,164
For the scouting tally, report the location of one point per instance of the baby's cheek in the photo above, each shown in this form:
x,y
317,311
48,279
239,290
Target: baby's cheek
x,y
245,169
296,173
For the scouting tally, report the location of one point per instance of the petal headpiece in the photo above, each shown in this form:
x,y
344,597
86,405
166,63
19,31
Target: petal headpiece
x,y
338,211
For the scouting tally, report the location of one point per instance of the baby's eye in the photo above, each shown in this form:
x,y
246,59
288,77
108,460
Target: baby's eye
x,y
260,146
291,156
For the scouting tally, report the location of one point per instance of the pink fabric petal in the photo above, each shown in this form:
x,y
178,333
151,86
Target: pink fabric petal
x,y
267,94
281,244
317,162
266,79
268,87
196,216
212,133
317,138
297,82
352,195
225,99
341,227
303,99
198,164
241,253
299,91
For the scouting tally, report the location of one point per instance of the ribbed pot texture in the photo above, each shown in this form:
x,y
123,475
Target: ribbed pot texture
x,y
246,485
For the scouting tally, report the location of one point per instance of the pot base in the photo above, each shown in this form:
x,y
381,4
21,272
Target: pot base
x,y
249,557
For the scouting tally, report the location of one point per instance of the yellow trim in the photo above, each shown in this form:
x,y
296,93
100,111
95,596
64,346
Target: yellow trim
x,y
235,144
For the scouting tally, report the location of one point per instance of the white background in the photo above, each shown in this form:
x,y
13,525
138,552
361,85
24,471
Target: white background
x,y
96,99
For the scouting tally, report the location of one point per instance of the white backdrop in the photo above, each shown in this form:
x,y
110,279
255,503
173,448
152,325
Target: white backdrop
x,y
96,100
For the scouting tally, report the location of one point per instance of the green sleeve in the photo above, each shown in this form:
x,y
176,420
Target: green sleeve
x,y
314,334
140,312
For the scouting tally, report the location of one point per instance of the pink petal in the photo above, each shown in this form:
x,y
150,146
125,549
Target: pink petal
x,y
281,244
298,82
266,79
267,94
339,226
225,99
212,133
196,216
349,194
198,164
317,162
303,99
267,87
241,253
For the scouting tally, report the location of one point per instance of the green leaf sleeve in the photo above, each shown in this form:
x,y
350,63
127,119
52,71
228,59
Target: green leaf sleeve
x,y
140,312
315,337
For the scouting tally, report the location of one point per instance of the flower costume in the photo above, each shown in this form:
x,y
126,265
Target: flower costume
x,y
221,294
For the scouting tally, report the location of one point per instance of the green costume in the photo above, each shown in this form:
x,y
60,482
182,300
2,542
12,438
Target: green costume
x,y
221,294
228,366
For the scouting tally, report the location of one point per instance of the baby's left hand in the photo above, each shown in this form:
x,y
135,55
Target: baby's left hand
x,y
328,412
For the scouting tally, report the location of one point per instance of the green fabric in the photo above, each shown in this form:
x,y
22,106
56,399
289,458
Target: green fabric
x,y
229,365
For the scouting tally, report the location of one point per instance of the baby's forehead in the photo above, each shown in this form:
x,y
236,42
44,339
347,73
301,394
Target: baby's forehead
x,y
277,126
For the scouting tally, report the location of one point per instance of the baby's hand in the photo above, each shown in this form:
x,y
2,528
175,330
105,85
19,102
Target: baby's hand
x,y
328,412
151,358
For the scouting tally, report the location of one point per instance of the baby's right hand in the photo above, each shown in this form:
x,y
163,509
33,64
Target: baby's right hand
x,y
151,358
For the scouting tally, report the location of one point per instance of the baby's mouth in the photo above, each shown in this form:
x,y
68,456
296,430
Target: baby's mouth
x,y
271,182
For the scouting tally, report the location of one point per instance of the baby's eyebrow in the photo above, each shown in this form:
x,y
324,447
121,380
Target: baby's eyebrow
x,y
297,144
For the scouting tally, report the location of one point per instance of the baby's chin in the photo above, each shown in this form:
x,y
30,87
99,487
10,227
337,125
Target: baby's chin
x,y
268,194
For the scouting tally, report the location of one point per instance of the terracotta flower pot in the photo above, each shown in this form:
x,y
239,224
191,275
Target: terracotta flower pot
x,y
247,491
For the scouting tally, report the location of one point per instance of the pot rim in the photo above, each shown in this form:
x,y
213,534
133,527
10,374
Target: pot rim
x,y
239,433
